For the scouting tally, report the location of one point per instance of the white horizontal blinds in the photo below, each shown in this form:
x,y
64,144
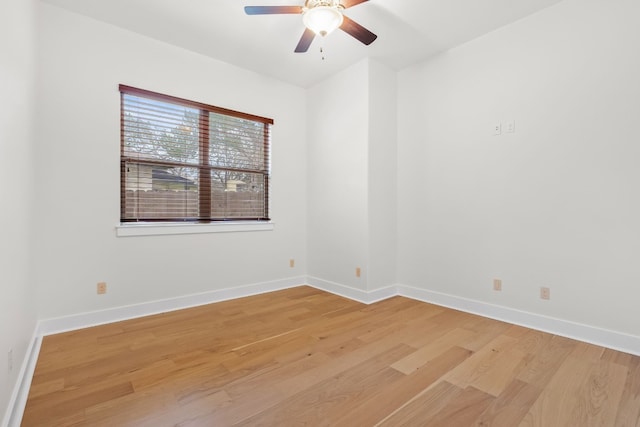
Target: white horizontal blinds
x,y
239,156
186,161
154,192
157,130
160,152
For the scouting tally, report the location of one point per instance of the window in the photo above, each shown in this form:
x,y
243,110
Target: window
x,y
186,161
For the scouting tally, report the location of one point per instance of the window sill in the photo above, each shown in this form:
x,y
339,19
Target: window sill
x,y
164,229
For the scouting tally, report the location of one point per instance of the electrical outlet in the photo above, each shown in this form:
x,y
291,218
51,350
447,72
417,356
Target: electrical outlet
x,y
292,263
497,284
511,126
545,293
10,360
101,288
497,129
357,271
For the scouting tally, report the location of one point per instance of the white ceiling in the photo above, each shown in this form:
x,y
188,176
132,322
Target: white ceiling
x,y
408,30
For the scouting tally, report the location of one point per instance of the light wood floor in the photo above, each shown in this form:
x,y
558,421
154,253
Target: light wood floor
x,y
306,357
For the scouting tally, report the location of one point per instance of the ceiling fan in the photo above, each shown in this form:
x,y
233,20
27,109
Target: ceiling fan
x,y
319,17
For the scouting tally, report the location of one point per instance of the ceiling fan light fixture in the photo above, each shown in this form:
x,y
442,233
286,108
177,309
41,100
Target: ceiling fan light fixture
x,y
322,20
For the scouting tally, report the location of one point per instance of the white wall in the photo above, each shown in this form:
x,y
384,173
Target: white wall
x,y
17,108
338,110
82,63
557,202
383,148
352,177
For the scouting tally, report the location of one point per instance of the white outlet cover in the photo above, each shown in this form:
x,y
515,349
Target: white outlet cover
x,y
497,129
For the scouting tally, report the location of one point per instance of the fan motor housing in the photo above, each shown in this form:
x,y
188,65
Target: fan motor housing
x,y
310,4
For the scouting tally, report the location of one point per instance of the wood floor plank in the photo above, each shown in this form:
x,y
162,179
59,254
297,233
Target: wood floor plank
x,y
131,410
424,407
586,351
511,406
47,387
421,322
445,405
582,393
485,331
318,405
425,354
392,397
463,410
613,356
312,404
306,357
629,407
74,402
547,361
492,368
420,332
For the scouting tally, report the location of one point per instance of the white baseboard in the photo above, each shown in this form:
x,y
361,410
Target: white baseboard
x,y
578,331
602,337
582,332
365,297
94,318
18,400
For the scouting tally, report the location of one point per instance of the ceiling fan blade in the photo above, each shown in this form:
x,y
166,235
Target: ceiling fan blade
x,y
272,10
357,31
350,3
305,41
